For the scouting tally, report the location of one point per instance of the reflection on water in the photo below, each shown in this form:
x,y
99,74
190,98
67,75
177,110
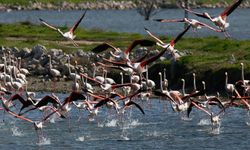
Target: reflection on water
x,y
131,21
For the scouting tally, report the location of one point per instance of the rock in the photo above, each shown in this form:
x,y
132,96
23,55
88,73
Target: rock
x,y
38,51
23,53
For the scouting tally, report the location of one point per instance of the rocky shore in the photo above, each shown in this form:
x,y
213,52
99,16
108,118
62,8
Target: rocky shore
x,y
109,4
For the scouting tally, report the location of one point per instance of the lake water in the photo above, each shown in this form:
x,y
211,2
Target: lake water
x,y
159,128
131,21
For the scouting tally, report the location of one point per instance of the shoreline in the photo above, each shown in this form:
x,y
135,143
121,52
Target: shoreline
x,y
105,5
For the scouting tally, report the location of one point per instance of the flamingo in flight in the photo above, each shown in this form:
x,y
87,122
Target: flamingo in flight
x,y
221,20
138,67
168,46
119,54
69,34
195,24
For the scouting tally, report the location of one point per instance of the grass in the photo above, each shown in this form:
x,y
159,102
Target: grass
x,y
27,35
208,57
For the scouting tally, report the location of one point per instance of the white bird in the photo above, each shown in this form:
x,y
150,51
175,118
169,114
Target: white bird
x,y
221,20
68,35
53,72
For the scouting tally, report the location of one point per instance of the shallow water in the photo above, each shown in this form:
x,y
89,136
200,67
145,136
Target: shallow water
x,y
157,129
131,21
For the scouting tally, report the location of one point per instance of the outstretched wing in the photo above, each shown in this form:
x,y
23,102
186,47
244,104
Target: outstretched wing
x,y
176,39
78,22
102,47
169,20
196,13
139,42
154,37
48,25
137,105
230,9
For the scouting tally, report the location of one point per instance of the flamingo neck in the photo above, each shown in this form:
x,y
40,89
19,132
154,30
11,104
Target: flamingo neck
x,y
242,74
161,82
226,80
183,87
194,82
121,78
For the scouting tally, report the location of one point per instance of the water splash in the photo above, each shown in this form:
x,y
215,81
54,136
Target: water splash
x,y
204,122
80,139
185,118
215,131
131,124
16,132
112,123
153,134
100,125
125,137
44,141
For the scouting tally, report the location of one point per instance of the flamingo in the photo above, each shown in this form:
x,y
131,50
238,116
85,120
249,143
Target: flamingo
x,y
22,70
183,87
170,46
215,119
138,67
69,34
122,55
53,72
195,24
37,125
230,88
221,20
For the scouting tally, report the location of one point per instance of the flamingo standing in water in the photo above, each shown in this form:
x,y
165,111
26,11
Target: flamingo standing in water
x,y
221,20
68,35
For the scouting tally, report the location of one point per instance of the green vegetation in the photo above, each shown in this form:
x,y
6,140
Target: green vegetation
x,y
209,57
27,35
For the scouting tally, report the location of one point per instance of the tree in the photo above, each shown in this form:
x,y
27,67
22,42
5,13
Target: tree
x,y
147,8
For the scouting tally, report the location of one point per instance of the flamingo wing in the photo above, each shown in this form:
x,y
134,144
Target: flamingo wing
x,y
196,13
102,47
18,97
179,36
78,22
169,20
154,37
209,27
76,96
137,105
141,43
153,58
48,25
230,9
102,102
45,100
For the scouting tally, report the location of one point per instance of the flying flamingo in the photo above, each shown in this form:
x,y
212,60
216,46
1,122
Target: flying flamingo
x,y
119,54
68,35
195,24
37,124
221,20
168,46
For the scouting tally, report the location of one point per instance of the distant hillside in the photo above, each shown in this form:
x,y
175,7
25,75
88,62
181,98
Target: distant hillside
x,y
103,4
